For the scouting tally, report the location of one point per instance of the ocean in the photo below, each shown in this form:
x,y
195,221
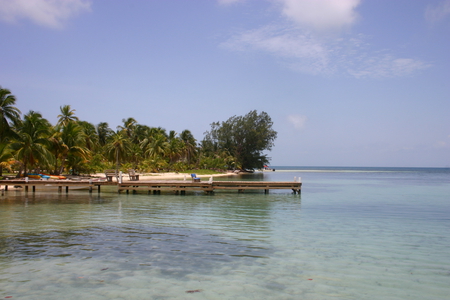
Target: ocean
x,y
353,233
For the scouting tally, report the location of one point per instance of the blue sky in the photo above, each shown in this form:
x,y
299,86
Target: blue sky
x,y
346,82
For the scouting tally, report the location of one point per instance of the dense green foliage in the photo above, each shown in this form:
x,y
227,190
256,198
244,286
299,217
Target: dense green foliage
x,y
243,138
72,146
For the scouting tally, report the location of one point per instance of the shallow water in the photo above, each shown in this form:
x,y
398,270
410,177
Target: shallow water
x,y
360,233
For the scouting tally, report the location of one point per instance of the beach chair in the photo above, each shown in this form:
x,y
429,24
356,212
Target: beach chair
x,y
110,174
195,178
132,174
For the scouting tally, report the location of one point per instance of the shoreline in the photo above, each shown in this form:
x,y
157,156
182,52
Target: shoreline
x,y
168,175
142,177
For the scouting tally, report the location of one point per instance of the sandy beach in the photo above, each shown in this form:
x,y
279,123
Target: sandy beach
x,y
144,177
164,176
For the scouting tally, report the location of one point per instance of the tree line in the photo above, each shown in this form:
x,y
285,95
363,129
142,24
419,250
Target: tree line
x,y
30,143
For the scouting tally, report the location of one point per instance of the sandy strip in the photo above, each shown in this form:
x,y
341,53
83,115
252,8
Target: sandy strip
x,y
142,177
163,176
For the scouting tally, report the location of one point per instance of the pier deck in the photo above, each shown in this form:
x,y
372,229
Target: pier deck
x,y
207,186
155,186
60,184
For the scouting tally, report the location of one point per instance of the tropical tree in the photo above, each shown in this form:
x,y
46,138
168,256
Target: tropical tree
x,y
189,145
174,148
103,133
129,126
134,155
157,147
141,132
244,137
67,115
55,146
118,146
5,157
90,136
30,144
73,143
9,117
9,114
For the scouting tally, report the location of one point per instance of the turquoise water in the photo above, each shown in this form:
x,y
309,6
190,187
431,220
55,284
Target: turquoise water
x,y
353,233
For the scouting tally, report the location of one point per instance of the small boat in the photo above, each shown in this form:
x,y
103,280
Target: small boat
x,y
43,176
266,169
54,176
33,175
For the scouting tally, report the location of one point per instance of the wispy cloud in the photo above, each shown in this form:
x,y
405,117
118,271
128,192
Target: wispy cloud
x,y
443,143
228,2
321,14
383,65
438,12
303,51
440,144
288,44
312,49
298,121
49,13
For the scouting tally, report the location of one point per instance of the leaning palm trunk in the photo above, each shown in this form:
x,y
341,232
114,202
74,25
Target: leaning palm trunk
x,y
61,169
117,161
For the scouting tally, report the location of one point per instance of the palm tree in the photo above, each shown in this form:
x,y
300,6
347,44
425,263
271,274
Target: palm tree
x,y
67,115
55,147
8,114
117,147
174,149
157,130
155,147
5,156
172,135
72,142
129,126
141,132
90,135
134,155
189,142
103,132
31,143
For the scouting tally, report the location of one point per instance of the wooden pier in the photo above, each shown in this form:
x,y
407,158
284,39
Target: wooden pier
x,y
154,186
179,186
59,184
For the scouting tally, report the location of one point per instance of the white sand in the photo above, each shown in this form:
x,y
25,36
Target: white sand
x,y
163,176
145,177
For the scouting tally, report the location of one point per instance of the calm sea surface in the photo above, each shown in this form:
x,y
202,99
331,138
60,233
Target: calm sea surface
x,y
353,233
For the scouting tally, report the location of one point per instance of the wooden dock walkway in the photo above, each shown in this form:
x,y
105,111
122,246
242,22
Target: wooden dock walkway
x,y
60,184
180,186
155,186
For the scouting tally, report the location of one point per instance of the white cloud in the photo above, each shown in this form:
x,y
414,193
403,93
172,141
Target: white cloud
x,y
305,40
437,12
298,121
49,13
299,42
321,14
